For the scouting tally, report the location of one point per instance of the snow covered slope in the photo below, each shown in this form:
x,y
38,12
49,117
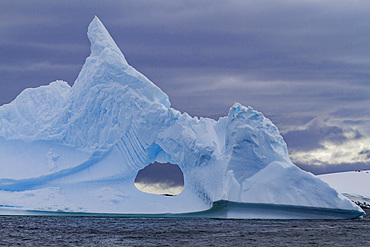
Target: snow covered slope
x,y
354,185
79,148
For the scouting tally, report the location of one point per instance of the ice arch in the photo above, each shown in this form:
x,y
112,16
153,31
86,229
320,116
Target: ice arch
x,y
83,146
160,178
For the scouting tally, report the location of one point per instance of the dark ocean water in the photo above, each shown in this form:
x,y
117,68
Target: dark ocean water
x,y
108,231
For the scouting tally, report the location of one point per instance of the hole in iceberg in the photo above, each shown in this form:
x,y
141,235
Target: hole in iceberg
x,y
160,179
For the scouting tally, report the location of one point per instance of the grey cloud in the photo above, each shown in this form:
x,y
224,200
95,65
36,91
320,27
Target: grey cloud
x,y
316,133
331,168
357,122
161,173
266,40
365,153
292,60
353,113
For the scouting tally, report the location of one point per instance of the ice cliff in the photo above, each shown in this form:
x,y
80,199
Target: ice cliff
x,y
79,148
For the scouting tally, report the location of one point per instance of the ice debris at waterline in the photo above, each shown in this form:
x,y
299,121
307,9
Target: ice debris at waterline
x,y
78,149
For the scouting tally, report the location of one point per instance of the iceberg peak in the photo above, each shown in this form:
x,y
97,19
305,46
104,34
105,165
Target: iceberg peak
x,y
100,39
106,67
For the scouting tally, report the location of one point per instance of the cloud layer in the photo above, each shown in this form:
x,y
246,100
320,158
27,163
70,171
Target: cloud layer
x,y
304,64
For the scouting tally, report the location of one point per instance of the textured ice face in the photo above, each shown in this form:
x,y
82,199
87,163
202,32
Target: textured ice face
x,y
30,115
118,122
107,96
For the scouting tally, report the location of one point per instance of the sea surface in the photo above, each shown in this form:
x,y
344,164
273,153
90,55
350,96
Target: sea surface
x,y
110,231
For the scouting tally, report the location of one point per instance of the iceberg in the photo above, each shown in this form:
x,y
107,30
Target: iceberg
x,y
78,149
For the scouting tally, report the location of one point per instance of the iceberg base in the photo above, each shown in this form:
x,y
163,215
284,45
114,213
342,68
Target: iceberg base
x,y
220,210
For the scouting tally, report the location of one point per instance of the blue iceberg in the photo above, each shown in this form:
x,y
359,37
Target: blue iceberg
x,y
78,150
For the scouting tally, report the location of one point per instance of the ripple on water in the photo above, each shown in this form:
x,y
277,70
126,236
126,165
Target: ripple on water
x,y
90,231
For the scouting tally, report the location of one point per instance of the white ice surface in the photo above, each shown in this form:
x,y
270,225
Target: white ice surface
x,y
84,145
354,184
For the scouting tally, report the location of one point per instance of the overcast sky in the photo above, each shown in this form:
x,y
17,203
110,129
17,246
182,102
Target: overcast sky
x,y
303,64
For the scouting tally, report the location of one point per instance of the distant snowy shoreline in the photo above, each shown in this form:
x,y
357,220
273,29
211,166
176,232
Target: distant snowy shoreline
x,y
354,185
